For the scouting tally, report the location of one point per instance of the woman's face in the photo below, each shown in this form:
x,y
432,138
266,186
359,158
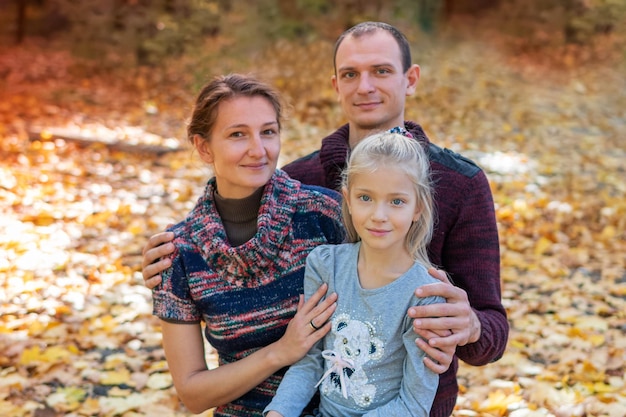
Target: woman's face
x,y
243,147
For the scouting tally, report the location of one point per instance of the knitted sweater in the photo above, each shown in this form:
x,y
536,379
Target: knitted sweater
x,y
465,241
247,294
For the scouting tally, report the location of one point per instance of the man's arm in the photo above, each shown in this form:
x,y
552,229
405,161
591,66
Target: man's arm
x,y
474,311
158,247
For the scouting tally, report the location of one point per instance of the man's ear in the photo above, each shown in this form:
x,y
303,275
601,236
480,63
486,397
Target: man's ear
x,y
203,148
413,77
333,80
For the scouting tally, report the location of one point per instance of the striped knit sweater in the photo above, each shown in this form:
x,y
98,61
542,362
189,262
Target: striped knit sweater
x,y
465,241
247,294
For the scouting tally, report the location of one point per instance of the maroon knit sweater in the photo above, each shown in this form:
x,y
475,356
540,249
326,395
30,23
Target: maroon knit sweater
x,y
465,241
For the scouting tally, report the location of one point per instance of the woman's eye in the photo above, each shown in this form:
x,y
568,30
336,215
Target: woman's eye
x,y
269,132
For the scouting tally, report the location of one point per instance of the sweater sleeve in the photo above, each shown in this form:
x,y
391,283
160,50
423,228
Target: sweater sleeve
x,y
298,385
472,257
172,299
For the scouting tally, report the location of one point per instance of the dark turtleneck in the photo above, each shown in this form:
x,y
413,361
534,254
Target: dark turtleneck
x,y
239,216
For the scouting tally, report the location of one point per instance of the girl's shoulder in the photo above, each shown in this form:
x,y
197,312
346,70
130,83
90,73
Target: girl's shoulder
x,y
340,251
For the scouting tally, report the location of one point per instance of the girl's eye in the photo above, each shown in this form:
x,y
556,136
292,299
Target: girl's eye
x,y
364,198
397,201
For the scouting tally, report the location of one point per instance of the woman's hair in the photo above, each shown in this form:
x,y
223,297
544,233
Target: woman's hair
x,y
225,87
397,151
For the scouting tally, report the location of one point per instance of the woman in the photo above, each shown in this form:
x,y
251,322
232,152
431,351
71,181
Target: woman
x,y
239,257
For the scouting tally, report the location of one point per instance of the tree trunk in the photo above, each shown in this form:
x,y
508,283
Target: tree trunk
x,y
21,21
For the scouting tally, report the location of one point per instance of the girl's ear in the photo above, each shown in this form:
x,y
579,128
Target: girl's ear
x,y
418,213
344,194
203,148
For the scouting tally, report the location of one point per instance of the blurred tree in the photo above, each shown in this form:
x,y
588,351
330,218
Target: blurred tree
x,y
21,21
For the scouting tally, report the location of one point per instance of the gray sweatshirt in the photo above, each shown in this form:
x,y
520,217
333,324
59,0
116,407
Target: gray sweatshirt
x,y
369,364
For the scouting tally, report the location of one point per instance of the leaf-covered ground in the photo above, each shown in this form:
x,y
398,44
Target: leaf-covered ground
x,y
76,333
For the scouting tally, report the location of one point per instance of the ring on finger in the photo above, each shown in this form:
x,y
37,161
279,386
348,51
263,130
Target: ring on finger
x,y
313,326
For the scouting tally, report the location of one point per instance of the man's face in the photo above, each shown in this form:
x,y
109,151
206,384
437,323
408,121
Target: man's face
x,y
370,83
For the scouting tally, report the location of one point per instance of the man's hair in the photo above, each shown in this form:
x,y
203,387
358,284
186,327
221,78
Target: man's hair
x,y
366,28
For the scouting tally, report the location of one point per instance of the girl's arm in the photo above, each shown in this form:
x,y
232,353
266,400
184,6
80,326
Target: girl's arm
x,y
419,383
201,389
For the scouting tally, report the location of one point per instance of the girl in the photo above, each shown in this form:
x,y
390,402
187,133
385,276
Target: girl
x,y
239,257
369,363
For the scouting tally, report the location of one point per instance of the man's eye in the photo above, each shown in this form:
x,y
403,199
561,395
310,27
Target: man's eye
x,y
349,75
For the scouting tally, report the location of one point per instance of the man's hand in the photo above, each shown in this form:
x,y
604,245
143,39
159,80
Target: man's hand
x,y
158,246
455,316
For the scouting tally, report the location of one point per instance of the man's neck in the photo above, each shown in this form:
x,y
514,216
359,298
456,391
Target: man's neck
x,y
357,134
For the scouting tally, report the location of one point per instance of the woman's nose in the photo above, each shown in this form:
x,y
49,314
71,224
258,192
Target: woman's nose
x,y
255,146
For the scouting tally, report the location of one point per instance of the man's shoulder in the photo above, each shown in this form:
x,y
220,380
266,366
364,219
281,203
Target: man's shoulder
x,y
453,161
320,192
307,169
306,161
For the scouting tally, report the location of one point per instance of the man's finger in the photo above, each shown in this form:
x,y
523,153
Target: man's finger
x,y
439,274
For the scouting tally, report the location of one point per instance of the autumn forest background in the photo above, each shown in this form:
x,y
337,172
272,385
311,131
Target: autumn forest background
x,y
94,96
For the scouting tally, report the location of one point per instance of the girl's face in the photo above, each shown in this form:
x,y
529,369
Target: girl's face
x,y
383,204
244,145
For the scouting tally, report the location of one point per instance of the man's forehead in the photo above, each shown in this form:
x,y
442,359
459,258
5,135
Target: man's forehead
x,y
377,48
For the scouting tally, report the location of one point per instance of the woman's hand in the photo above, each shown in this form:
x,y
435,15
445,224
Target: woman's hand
x,y
309,325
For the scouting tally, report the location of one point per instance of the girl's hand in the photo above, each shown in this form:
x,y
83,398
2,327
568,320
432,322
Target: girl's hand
x,y
301,335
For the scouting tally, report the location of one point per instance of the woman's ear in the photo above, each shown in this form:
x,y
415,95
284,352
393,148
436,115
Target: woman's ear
x,y
202,145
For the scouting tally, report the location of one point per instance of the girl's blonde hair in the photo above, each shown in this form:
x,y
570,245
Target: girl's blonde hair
x,y
398,151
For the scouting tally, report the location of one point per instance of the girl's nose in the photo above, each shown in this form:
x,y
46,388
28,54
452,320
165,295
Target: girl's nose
x,y
379,214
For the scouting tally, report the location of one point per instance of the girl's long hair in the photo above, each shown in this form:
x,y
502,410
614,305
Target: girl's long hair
x,y
395,150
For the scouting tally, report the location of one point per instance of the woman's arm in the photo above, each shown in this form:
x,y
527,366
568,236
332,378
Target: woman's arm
x,y
201,389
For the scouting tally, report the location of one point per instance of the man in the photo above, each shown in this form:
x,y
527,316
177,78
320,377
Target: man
x,y
373,76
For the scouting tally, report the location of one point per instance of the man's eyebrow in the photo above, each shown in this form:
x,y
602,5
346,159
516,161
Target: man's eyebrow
x,y
379,65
